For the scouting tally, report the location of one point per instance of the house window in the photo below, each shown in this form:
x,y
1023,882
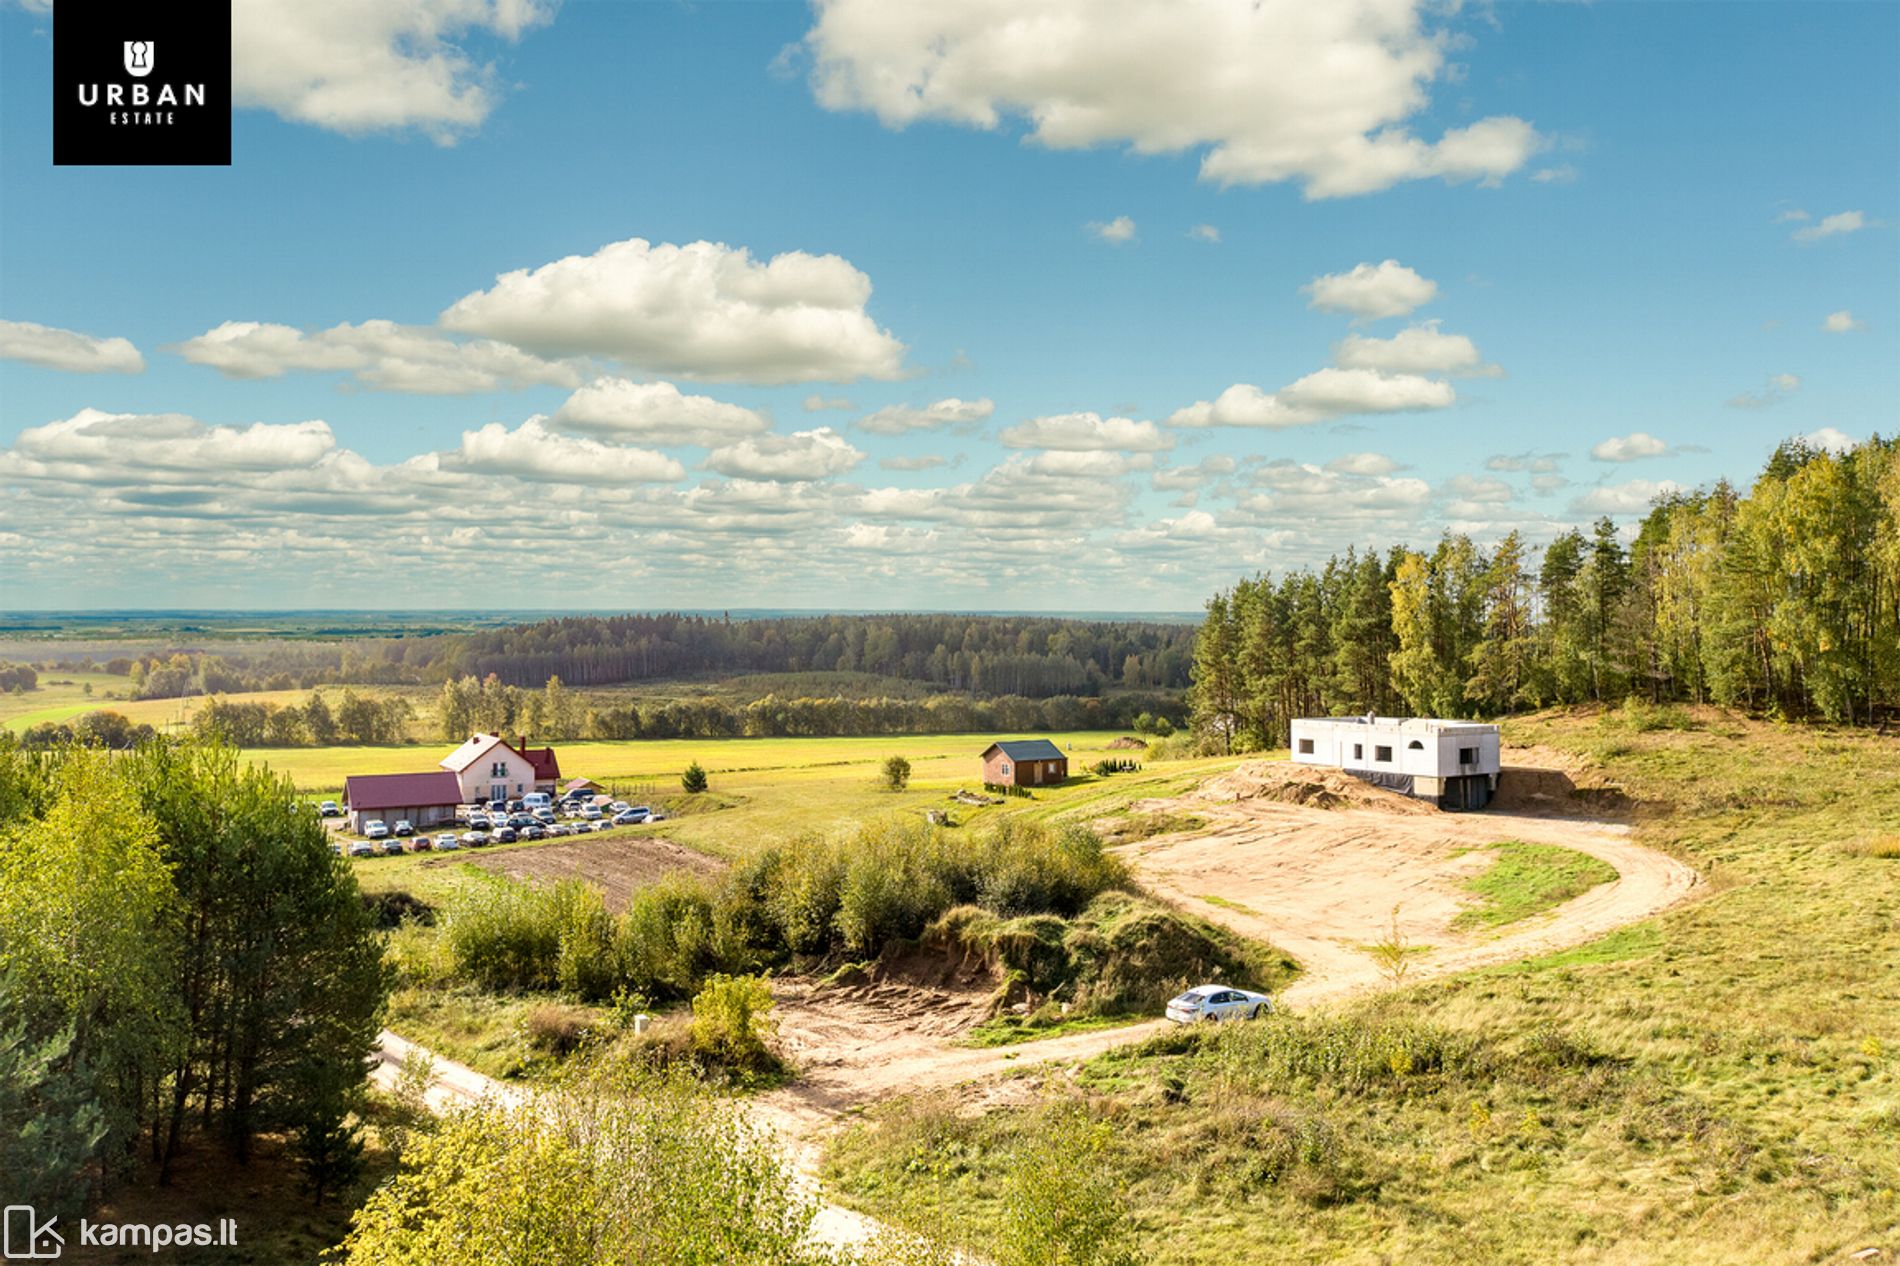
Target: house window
x,y
1358,751
1415,746
1467,756
1382,753
1306,747
1005,771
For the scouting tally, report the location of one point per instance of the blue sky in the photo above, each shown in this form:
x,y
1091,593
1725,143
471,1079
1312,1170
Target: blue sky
x,y
1637,245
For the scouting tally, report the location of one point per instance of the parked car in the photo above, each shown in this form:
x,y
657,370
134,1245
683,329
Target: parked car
x,y
376,831
533,831
519,820
329,809
556,831
505,835
445,840
514,806
498,806
592,814
421,844
603,825
1218,1002
478,821
542,815
362,848
337,849
656,816
620,806
405,827
536,800
475,839
392,847
629,818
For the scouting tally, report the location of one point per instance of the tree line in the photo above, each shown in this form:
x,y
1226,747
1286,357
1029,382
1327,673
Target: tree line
x,y
182,958
1033,656
1783,600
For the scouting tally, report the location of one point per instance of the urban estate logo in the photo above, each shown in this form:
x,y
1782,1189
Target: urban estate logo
x,y
115,104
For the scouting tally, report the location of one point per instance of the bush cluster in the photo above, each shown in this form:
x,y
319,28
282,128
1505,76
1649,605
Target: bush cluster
x,y
812,897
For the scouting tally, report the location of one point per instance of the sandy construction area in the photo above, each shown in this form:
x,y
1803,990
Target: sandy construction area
x,y
1324,883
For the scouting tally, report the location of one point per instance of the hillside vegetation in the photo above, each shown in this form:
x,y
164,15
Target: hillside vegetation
x,y
1719,1084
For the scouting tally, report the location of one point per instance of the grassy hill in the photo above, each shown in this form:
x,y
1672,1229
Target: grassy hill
x,y
1719,1084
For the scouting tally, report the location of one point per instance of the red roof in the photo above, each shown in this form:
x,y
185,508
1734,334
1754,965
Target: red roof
x,y
546,768
402,791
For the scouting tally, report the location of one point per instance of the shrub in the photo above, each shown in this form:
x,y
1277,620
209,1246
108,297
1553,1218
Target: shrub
x,y
503,936
896,773
693,781
732,1022
665,939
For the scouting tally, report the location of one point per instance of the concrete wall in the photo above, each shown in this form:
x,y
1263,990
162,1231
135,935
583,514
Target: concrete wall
x,y
1421,751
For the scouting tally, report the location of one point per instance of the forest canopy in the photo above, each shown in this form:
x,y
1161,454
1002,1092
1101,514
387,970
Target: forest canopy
x,y
1782,601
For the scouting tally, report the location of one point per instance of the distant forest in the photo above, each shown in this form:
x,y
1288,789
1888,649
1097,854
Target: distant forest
x,y
1782,601
989,656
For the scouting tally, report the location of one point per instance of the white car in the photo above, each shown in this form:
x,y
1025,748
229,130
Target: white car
x,y
376,831
445,840
1218,1002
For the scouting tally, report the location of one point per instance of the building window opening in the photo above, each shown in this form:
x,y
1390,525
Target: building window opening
x,y
1382,753
1306,747
1467,756
1415,746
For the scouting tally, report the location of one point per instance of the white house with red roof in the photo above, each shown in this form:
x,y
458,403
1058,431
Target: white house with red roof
x,y
489,767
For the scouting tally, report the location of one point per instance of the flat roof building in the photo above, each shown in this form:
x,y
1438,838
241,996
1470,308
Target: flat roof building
x,y
1453,763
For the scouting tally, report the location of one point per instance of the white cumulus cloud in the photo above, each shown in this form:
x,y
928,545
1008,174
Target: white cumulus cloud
x,y
1832,226
379,354
703,310
1320,396
1633,497
799,457
1842,322
1084,432
655,413
360,66
532,452
1266,90
1118,230
897,419
1629,448
67,349
1372,291
1421,349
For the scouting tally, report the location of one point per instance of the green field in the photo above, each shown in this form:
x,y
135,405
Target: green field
x,y
765,789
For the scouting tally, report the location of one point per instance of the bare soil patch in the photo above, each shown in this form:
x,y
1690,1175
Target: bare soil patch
x,y
1316,863
848,1035
1312,786
618,867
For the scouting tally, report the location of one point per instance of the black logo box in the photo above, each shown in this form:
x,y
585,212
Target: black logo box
x,y
188,45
